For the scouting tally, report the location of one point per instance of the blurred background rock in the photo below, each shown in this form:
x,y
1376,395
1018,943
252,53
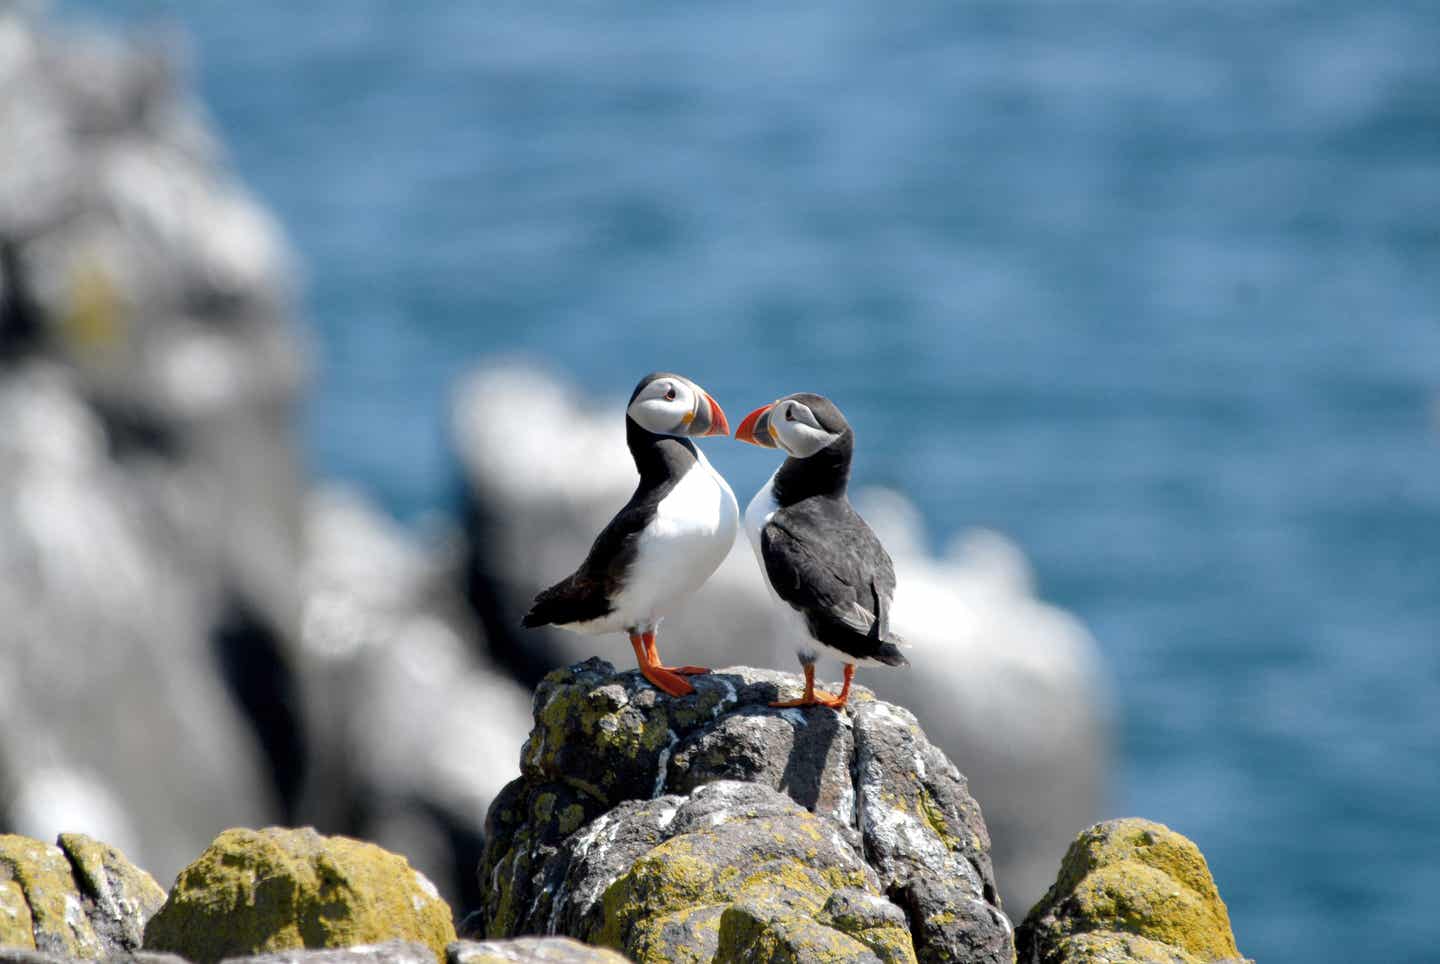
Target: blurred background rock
x,y
1133,304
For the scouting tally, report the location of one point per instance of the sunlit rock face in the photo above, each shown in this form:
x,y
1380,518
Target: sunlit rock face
x,y
715,826
1009,686
149,487
284,889
77,899
1131,890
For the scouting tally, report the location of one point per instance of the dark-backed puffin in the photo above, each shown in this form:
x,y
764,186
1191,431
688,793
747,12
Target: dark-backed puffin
x,y
673,533
817,555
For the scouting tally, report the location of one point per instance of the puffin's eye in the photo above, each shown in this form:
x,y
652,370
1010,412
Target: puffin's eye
x,y
670,394
789,413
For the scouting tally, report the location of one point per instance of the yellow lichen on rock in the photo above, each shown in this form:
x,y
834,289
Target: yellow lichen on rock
x,y
43,876
1130,886
17,927
254,891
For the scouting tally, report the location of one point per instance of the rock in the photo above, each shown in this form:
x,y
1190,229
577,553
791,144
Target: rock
x,y
521,950
1129,890
1007,686
149,481
279,889
389,952
629,828
103,621
120,898
14,955
413,732
82,899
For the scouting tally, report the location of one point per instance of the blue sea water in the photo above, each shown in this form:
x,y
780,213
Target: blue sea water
x,y
1150,287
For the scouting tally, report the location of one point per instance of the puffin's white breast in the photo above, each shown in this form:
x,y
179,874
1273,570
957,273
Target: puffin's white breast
x,y
691,534
757,514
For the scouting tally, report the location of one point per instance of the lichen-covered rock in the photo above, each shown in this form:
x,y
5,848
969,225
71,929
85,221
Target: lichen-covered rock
x,y
715,827
120,898
1129,890
771,933
44,877
530,950
279,889
388,952
874,922
82,899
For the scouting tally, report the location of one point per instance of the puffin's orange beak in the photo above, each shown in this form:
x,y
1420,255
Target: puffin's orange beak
x,y
755,428
718,425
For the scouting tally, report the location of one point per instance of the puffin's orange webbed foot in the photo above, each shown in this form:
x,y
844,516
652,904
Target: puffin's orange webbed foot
x,y
652,656
813,698
666,681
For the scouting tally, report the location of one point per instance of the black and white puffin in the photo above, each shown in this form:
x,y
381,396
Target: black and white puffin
x,y
673,533
818,557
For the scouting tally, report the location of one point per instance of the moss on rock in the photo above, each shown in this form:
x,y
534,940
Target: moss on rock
x,y
254,891
1128,878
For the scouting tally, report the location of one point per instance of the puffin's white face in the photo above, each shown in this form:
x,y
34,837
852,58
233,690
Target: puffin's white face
x,y
791,424
671,405
796,429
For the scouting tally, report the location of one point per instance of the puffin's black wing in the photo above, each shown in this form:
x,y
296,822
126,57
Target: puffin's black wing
x,y
589,592
826,562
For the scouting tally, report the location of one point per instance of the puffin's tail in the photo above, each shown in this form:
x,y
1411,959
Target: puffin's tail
x,y
889,652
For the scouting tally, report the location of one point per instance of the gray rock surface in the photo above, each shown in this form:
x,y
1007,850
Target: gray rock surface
x,y
521,950
407,715
16,955
1008,686
388,952
100,620
160,560
149,489
629,827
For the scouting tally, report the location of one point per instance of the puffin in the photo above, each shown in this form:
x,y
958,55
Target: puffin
x,y
665,542
818,557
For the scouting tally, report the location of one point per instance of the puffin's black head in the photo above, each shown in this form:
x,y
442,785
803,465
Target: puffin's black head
x,y
670,404
801,424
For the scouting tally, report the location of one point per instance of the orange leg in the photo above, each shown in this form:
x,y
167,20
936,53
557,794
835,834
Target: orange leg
x,y
814,697
655,659
663,679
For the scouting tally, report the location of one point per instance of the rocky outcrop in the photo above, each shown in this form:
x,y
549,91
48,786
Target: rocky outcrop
x,y
81,899
278,889
1008,686
1129,890
149,486
163,564
716,827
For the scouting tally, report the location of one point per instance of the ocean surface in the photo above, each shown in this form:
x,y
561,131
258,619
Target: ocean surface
x,y
1153,288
